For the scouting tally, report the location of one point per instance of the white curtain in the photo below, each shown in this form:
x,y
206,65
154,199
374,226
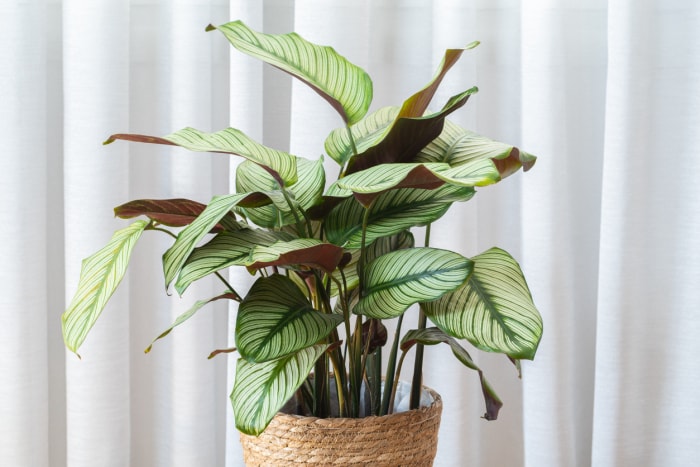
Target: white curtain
x,y
606,225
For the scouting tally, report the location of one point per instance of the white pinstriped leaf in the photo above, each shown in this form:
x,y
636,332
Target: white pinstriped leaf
x,y
261,389
276,319
347,87
299,251
365,133
100,274
393,212
493,309
397,280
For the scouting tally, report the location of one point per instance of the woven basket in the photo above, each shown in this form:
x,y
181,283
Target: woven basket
x,y
400,439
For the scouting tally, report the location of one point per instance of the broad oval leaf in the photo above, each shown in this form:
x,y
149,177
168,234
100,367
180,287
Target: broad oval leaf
x,y
177,212
493,310
262,389
365,134
392,212
224,250
433,336
100,274
229,141
459,147
301,251
347,87
276,319
397,280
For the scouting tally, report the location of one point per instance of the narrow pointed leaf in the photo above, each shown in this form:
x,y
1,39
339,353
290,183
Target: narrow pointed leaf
x,y
177,212
433,336
347,87
302,251
397,280
276,319
407,137
189,313
392,212
229,141
493,310
459,147
100,275
262,389
224,250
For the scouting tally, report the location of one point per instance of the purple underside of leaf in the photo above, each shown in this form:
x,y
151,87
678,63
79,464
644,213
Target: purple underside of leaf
x,y
407,137
420,177
511,164
325,256
321,210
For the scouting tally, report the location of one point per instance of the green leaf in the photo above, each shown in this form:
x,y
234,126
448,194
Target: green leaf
x,y
175,257
392,212
276,319
407,137
459,147
301,251
230,141
493,309
100,275
177,212
365,133
397,280
433,336
347,87
224,250
305,192
189,313
261,389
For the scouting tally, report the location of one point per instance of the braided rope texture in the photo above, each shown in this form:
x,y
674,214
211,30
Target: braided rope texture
x,y
400,439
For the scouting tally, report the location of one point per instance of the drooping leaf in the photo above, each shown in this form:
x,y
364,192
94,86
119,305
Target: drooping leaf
x,y
433,336
493,310
175,257
230,141
305,192
397,280
177,212
347,87
276,319
224,250
301,251
189,313
100,274
407,137
261,389
392,212
459,147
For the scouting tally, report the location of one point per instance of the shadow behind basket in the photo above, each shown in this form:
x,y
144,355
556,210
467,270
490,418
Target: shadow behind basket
x,y
400,439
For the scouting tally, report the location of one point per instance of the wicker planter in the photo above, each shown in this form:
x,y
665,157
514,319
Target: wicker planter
x,y
405,438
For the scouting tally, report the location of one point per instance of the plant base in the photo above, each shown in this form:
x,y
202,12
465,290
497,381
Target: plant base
x,y
405,438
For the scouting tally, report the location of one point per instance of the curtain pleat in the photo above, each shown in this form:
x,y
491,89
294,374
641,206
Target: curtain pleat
x,y
605,226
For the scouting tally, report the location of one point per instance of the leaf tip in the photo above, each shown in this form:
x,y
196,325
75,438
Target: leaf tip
x,y
472,45
109,140
210,27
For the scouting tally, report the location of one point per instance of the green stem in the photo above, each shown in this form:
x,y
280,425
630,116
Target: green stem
x,y
417,382
390,368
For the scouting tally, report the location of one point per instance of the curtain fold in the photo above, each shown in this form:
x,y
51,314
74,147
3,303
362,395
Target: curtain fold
x,y
606,93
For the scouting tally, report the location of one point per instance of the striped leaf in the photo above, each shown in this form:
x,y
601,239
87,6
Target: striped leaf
x,y
174,258
301,251
365,134
305,192
433,336
397,280
190,313
276,319
262,389
347,87
229,141
224,250
493,310
177,212
392,212
100,274
459,147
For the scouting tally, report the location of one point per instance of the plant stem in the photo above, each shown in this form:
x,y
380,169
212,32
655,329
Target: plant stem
x,y
417,382
390,369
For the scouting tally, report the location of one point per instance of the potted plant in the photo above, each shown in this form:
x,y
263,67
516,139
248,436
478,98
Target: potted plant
x,y
335,262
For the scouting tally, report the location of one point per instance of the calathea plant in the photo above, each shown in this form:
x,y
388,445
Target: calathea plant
x,y
335,263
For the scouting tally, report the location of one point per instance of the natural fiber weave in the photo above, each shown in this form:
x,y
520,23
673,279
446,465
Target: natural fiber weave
x,y
401,439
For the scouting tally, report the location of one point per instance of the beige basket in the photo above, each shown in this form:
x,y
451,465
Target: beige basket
x,y
401,439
